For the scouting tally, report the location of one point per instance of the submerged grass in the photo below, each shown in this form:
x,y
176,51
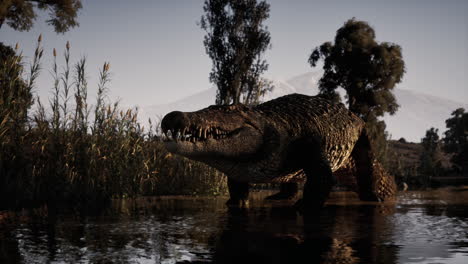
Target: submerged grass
x,y
78,155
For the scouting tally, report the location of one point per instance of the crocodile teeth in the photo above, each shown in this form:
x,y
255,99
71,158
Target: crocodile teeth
x,y
194,134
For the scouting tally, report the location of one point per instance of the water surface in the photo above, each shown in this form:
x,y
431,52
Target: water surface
x,y
419,227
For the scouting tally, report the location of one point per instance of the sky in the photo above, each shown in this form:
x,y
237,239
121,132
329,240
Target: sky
x,y
156,50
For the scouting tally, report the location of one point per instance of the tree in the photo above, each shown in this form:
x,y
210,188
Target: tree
x,y
20,14
376,131
456,139
430,157
15,93
366,70
235,41
430,142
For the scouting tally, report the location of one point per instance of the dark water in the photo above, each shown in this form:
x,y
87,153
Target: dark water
x,y
420,227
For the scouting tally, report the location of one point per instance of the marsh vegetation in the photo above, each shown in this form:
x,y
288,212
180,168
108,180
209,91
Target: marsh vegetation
x,y
70,151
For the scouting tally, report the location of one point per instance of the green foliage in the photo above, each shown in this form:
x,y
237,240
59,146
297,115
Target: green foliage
x,y
236,40
366,69
376,130
430,142
456,139
68,156
430,157
20,14
16,92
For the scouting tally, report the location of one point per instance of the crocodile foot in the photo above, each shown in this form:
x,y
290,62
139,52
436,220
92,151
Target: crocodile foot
x,y
237,203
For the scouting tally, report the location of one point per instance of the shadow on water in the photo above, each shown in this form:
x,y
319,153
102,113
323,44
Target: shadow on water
x,y
420,227
338,234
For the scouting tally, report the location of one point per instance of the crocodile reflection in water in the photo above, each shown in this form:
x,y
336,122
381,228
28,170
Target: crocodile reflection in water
x,y
338,235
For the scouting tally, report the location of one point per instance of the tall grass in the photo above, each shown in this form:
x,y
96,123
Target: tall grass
x,y
76,154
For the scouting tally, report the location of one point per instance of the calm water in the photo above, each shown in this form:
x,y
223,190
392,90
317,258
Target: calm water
x,y
420,227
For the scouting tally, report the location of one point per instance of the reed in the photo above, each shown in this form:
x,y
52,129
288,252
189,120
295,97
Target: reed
x,y
77,154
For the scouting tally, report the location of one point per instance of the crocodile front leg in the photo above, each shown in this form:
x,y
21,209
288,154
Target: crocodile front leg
x,y
239,193
317,187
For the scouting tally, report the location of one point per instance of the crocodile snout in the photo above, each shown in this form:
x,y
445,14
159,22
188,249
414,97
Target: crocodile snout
x,y
174,121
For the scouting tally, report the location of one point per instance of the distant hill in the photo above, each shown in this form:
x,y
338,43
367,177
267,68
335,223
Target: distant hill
x,y
417,113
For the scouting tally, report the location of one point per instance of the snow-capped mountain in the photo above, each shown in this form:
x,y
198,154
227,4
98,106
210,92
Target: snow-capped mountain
x,y
417,113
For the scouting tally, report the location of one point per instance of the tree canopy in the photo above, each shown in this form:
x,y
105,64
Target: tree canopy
x,y
235,41
430,156
15,93
21,14
456,139
366,69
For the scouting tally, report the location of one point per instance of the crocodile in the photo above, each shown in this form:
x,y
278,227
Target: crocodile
x,y
290,140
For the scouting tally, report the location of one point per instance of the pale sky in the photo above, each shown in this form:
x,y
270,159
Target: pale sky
x,y
156,52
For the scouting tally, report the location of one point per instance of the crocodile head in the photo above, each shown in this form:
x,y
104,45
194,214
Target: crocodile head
x,y
218,135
